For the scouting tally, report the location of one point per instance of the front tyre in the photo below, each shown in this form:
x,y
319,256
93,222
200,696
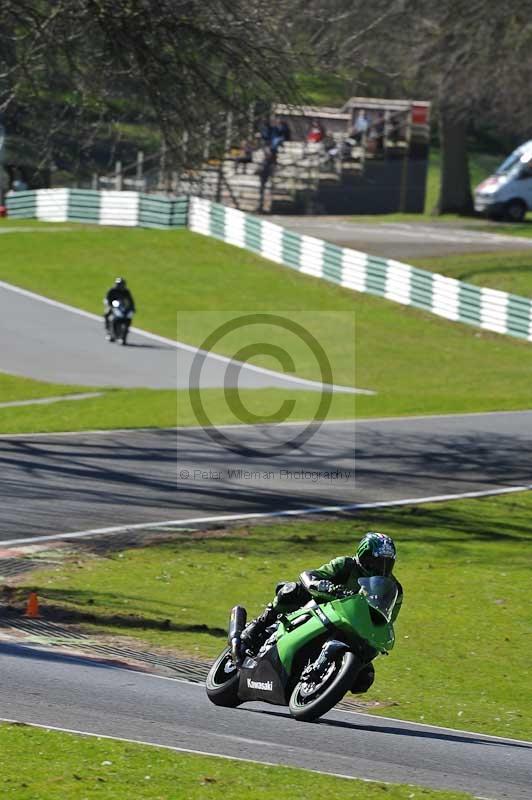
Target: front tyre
x,y
222,681
311,700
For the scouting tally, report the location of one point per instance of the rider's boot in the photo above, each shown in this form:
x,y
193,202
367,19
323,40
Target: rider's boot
x,y
254,634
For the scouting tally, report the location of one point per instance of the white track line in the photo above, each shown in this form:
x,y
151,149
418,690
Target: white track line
x,y
176,749
46,400
189,348
295,423
297,512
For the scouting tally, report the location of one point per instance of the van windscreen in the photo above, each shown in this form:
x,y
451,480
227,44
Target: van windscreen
x,y
509,163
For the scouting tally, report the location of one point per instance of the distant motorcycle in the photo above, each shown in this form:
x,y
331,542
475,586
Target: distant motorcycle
x,y
119,321
312,656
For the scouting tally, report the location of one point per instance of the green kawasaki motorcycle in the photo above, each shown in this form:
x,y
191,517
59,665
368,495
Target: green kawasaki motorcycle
x,y
312,656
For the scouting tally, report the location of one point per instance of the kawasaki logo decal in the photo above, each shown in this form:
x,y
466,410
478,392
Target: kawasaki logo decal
x,y
266,686
322,617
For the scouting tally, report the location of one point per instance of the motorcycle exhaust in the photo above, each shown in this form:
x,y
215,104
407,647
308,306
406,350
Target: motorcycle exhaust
x,y
237,623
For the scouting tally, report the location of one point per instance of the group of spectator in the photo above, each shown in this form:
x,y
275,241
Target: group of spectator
x,y
270,136
369,128
372,127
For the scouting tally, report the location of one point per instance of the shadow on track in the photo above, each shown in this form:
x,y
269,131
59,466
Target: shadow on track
x,y
398,731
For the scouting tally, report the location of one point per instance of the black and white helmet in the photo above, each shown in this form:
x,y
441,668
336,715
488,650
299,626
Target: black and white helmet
x,y
376,554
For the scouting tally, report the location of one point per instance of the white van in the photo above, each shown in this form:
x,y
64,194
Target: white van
x,y
508,192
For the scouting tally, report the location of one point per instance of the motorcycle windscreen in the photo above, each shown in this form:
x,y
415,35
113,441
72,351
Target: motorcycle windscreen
x,y
380,593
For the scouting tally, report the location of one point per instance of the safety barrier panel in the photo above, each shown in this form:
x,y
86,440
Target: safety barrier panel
x,y
107,207
489,309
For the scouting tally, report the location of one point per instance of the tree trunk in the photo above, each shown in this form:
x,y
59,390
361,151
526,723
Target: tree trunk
x,y
455,183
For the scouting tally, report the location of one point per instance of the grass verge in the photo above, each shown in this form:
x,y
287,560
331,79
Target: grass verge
x,y
14,387
462,651
149,408
69,767
509,228
508,271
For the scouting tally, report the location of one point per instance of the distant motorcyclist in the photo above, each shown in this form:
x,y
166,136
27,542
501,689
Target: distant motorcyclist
x,y
120,292
375,555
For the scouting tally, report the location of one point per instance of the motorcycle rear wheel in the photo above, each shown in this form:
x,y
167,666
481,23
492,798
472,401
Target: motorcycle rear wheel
x,y
222,681
310,703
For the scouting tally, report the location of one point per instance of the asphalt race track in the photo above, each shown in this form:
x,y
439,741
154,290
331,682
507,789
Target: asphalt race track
x,y
64,483
50,341
404,240
80,695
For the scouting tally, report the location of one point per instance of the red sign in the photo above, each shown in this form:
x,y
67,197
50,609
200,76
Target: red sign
x,y
420,114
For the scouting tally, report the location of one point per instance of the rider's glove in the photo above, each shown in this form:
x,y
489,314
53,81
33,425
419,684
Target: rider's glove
x,y
324,587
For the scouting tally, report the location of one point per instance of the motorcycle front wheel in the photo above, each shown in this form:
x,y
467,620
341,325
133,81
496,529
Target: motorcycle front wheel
x,y
222,681
311,699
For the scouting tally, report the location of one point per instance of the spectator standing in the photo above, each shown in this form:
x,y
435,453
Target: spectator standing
x,y
360,128
284,129
279,134
265,132
266,171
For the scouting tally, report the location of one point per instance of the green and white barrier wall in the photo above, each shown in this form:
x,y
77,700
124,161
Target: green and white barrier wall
x,y
489,309
107,207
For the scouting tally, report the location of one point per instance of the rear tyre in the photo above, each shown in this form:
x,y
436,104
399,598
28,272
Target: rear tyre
x,y
311,700
514,211
222,681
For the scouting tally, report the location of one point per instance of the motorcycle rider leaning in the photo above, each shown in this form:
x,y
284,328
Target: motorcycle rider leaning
x,y
120,292
375,555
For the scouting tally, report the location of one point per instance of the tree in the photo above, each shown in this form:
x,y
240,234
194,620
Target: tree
x,y
473,60
69,67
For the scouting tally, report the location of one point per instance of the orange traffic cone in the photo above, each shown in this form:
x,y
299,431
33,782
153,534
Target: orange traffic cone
x,y
32,608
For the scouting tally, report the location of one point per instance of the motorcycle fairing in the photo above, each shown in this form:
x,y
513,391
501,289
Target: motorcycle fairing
x,y
264,678
347,619
291,638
